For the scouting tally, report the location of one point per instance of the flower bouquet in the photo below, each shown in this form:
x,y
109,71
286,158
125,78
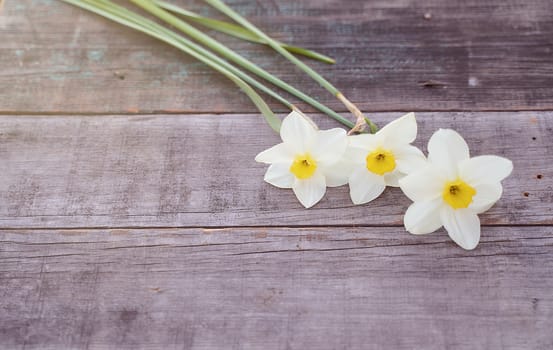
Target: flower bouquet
x,y
448,187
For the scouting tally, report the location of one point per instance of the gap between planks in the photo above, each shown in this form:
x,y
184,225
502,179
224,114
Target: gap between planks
x,y
230,227
22,113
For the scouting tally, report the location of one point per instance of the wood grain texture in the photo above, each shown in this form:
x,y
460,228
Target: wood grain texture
x,y
469,55
199,170
259,288
156,231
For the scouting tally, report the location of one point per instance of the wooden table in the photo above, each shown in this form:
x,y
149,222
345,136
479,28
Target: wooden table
x,y
133,215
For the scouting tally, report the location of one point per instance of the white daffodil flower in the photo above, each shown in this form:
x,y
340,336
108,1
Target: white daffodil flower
x,y
380,160
305,159
452,189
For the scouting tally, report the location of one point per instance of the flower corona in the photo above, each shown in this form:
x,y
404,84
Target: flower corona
x,y
458,194
303,166
381,161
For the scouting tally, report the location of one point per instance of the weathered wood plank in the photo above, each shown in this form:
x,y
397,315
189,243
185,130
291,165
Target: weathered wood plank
x,y
253,288
199,170
470,55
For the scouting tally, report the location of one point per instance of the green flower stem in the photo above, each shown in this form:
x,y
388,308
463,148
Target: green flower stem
x,y
238,31
155,26
213,44
111,12
219,5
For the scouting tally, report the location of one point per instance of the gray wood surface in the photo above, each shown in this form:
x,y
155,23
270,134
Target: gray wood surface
x,y
470,55
275,288
199,170
133,215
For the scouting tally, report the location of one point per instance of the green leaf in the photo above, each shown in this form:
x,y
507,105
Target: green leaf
x,y
233,56
238,31
132,20
223,8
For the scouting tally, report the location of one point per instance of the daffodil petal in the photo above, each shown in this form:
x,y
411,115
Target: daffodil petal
x,y
462,226
409,159
392,178
446,148
365,186
338,173
401,131
485,169
279,175
297,132
310,191
423,217
329,146
486,196
276,154
424,184
363,141
356,155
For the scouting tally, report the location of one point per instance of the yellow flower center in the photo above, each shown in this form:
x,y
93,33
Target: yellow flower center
x,y
304,166
458,194
381,161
